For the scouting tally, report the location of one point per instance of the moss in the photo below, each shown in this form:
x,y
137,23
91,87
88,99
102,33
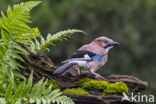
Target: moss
x,y
107,87
117,87
54,84
76,91
90,83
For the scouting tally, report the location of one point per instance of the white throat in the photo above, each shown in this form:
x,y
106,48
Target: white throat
x,y
108,48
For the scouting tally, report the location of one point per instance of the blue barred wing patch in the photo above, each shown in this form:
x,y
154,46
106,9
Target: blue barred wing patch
x,y
98,58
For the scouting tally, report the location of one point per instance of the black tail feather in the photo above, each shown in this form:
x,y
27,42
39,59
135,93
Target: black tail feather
x,y
62,70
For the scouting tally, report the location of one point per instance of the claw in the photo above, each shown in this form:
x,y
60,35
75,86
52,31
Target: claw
x,y
99,76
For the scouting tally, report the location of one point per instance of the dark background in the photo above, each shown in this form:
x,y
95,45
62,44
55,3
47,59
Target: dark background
x,y
130,22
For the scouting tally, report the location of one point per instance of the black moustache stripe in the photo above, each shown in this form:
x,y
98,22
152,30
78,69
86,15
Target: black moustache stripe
x,y
107,46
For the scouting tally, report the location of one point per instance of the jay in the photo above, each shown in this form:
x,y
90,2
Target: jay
x,y
89,57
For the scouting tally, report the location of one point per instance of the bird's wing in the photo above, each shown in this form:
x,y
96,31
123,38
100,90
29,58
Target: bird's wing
x,y
80,56
84,56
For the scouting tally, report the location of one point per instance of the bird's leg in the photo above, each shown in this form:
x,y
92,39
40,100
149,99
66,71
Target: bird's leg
x,y
78,71
96,75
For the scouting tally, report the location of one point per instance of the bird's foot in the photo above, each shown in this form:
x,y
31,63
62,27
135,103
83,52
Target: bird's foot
x,y
99,76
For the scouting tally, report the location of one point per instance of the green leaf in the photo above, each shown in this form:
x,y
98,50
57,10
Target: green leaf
x,y
28,86
9,90
0,23
42,88
5,36
19,90
48,90
36,89
3,50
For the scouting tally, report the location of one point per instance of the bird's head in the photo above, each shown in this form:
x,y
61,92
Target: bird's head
x,y
106,43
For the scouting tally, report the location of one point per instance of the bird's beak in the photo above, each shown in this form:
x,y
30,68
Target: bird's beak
x,y
115,43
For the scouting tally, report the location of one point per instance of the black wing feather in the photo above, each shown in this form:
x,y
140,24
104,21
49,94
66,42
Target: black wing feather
x,y
80,54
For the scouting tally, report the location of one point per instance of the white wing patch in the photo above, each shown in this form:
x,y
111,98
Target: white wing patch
x,y
82,60
80,63
86,56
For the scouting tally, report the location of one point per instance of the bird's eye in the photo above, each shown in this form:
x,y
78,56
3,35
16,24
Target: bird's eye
x,y
105,41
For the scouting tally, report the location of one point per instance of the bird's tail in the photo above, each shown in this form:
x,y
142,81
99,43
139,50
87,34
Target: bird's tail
x,y
62,70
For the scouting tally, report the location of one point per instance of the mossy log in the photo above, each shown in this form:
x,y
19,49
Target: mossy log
x,y
42,66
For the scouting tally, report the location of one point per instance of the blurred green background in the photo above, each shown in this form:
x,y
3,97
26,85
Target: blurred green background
x,y
130,22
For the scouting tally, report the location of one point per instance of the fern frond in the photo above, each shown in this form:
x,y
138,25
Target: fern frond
x,y
9,90
50,39
38,94
14,27
9,58
3,50
0,23
28,86
15,22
